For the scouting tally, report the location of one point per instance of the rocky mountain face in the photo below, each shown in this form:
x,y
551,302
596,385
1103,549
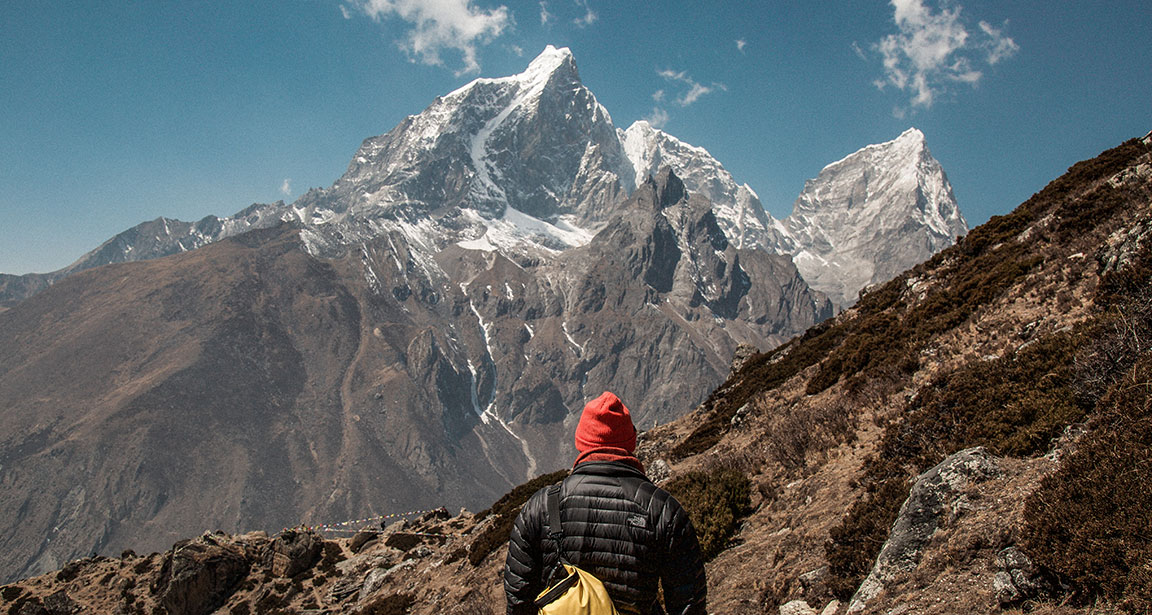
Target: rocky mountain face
x,y
861,221
868,217
491,163
738,209
971,437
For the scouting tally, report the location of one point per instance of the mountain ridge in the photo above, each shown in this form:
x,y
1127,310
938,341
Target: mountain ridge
x,y
482,156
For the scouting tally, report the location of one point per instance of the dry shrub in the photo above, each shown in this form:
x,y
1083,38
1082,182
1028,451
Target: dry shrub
x,y
1124,330
760,374
716,501
1119,337
1088,522
806,427
853,545
11,592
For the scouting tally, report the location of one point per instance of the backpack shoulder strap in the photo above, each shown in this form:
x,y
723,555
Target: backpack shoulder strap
x,y
555,528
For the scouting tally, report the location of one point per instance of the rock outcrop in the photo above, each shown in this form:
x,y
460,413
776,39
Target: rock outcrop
x,y
937,495
199,575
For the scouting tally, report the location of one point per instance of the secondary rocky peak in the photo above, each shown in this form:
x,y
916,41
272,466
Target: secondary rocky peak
x,y
738,209
659,191
871,215
669,189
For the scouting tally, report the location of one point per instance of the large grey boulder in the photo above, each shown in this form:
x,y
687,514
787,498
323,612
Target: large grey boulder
x,y
937,492
293,552
199,575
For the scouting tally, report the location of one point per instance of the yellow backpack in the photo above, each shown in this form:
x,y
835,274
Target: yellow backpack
x,y
579,592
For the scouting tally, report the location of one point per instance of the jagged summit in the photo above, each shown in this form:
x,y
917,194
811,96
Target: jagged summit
x,y
553,64
496,144
910,142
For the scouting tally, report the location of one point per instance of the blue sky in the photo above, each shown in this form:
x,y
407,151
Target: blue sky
x,y
113,113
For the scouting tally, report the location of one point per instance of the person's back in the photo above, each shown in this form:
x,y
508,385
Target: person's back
x,y
630,534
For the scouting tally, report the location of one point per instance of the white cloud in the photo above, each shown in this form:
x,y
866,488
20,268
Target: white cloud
x,y
286,186
934,48
545,16
589,17
998,46
694,90
658,95
657,117
344,12
441,24
694,93
740,43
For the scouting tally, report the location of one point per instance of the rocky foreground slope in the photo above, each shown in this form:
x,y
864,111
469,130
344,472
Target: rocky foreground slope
x,y
972,437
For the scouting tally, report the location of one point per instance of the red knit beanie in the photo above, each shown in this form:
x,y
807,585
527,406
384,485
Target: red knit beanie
x,y
605,423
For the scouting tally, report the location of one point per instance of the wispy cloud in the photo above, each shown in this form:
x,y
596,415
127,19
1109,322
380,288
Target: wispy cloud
x,y
588,18
740,44
693,90
286,186
443,24
657,117
545,16
997,45
933,48
684,91
344,11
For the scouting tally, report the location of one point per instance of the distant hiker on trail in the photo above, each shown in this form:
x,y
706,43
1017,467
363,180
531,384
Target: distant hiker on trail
x,y
615,524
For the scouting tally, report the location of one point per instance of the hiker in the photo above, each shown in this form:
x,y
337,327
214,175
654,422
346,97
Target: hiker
x,y
617,525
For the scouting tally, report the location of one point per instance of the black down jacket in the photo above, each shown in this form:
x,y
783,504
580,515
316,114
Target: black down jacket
x,y
617,525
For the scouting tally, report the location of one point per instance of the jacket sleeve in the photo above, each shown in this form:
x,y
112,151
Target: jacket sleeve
x,y
682,576
523,569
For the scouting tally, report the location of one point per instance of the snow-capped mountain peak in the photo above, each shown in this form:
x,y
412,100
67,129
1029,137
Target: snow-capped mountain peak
x,y
551,61
552,64
871,215
532,162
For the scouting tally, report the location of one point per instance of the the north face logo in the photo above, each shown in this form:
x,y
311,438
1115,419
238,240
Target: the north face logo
x,y
638,521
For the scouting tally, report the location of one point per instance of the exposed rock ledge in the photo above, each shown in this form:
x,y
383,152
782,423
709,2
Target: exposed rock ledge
x,y
935,493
